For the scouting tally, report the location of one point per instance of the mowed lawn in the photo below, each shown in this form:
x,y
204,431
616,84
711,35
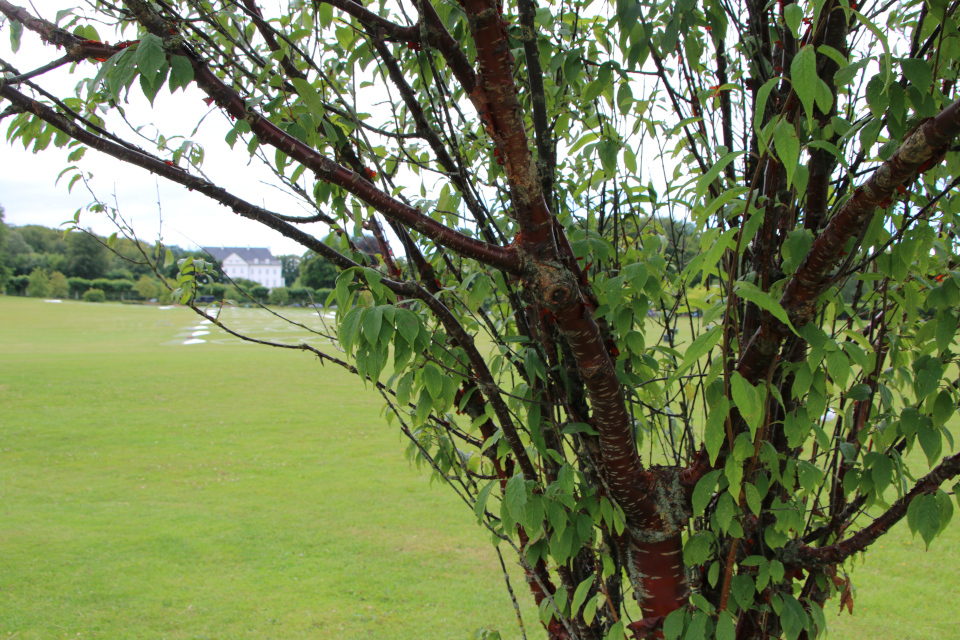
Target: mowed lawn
x,y
151,489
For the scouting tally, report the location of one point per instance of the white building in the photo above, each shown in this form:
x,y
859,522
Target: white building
x,y
256,264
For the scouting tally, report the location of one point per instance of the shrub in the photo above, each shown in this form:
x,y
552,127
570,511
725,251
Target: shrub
x,y
259,293
17,285
94,295
59,288
39,285
147,287
280,296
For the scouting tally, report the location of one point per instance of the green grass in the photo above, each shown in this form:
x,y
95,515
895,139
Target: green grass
x,y
150,489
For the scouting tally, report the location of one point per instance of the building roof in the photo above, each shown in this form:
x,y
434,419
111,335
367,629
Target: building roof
x,y
247,254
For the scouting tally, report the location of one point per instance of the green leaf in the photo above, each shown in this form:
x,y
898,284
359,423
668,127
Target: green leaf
x,y
803,74
927,371
16,31
928,518
408,324
725,510
714,432
703,184
309,96
763,94
754,501
698,626
674,623
581,594
793,16
747,399
697,549
181,72
608,150
516,498
616,632
624,98
481,504
945,507
150,56
372,320
593,90
479,291
882,473
703,492
882,38
765,301
931,442
943,408
433,380
697,350
945,331
726,628
918,72
590,609
788,147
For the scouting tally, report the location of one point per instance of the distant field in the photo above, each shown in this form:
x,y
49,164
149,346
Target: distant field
x,y
221,490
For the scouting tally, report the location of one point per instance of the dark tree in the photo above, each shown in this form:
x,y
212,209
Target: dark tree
x,y
87,257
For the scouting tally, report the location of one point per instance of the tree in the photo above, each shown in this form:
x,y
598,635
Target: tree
x,y
59,287
290,268
86,256
147,287
317,272
39,286
5,270
526,159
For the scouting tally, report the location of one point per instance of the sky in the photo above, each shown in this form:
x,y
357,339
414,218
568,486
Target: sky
x,y
152,206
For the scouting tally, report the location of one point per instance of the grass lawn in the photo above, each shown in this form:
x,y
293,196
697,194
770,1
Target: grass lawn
x,y
151,489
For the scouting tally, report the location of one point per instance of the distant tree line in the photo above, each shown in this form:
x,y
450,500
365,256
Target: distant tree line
x,y
41,262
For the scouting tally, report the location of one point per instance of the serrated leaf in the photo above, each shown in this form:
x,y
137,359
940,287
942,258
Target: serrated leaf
x,y
408,324
726,628
150,56
372,320
697,549
674,623
725,510
181,72
928,518
703,492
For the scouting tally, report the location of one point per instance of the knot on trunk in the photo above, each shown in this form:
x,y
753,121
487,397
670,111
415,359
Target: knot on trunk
x,y
555,286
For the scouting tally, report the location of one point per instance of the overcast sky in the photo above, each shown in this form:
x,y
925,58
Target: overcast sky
x,y
30,196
